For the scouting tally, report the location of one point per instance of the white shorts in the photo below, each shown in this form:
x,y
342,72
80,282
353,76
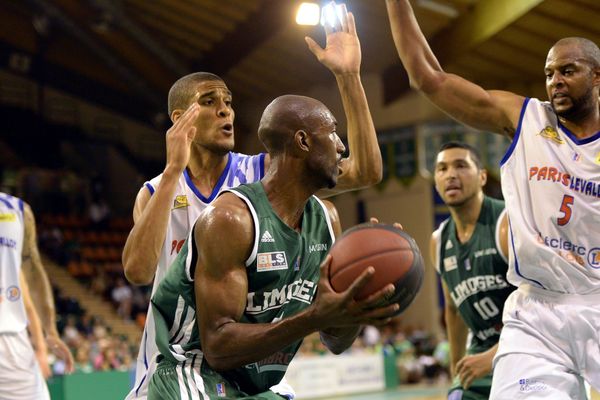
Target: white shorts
x,y
20,374
549,345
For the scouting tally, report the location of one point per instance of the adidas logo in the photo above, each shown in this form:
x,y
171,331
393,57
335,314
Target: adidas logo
x,y
267,238
448,245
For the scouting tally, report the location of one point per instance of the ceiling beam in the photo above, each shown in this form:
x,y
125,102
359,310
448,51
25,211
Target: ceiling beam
x,y
467,32
113,64
115,8
259,26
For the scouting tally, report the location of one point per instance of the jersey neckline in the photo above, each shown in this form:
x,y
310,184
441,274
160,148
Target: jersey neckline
x,y
217,187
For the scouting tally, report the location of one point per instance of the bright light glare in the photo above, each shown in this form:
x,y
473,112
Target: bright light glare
x,y
308,14
331,15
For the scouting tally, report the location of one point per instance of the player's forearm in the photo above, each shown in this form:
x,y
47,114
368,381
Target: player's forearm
x,y
236,344
41,291
337,340
34,327
457,338
413,49
146,239
364,162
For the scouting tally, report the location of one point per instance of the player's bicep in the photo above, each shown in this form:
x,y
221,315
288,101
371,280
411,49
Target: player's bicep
x,y
334,217
224,239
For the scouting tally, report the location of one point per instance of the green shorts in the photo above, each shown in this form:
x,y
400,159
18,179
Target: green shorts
x,y
479,389
182,381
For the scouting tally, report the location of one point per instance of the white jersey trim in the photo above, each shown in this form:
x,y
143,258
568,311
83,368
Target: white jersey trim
x,y
327,218
437,236
252,256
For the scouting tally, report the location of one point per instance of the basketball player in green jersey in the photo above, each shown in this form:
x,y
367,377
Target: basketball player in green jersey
x,y
469,251
252,281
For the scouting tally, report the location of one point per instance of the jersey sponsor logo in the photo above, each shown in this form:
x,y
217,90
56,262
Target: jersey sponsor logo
x,y
8,217
450,263
575,183
266,237
8,242
594,257
532,385
276,362
572,252
272,261
449,245
550,133
485,252
597,160
317,247
489,332
476,284
180,201
301,290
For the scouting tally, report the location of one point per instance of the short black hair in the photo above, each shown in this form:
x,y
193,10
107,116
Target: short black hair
x,y
588,47
454,144
184,88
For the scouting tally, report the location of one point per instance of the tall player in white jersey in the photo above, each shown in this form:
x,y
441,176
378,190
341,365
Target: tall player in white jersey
x,y
22,369
551,185
200,164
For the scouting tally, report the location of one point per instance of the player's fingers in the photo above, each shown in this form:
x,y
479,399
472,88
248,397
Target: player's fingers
x,y
398,225
342,13
190,114
351,24
380,298
360,282
373,220
314,47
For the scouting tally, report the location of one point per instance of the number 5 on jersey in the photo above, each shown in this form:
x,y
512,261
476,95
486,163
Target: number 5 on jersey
x,y
566,209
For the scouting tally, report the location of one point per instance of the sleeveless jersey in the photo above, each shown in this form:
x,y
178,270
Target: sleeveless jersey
x,y
283,272
188,203
475,274
551,184
13,317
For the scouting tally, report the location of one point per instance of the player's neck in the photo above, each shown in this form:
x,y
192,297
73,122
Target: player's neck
x,y
287,198
465,217
205,169
583,127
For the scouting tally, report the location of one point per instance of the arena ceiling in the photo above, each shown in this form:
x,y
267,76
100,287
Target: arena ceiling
x,y
128,52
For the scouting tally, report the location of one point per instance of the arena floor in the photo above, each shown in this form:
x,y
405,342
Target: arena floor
x,y
417,392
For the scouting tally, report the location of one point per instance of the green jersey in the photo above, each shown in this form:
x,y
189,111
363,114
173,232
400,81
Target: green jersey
x,y
283,272
475,274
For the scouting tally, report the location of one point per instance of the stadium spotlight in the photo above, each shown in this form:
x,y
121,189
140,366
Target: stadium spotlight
x,y
308,14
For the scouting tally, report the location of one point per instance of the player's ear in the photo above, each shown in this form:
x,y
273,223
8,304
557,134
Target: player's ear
x,y
302,140
483,177
176,114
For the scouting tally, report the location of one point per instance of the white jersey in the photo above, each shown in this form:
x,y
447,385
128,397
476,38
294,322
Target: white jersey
x,y
551,185
188,203
13,318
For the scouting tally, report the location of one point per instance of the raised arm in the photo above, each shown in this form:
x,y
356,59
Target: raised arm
x,y
495,111
151,212
342,56
221,287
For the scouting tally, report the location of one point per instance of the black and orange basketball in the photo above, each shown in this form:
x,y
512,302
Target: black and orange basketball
x,y
391,251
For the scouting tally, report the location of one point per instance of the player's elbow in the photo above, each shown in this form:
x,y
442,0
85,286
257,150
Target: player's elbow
x,y
427,83
135,273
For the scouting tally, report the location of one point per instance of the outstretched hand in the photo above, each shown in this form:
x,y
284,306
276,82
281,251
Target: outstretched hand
x,y
342,50
473,367
333,309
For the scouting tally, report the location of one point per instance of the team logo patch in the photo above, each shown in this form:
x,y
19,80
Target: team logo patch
x,y
9,217
180,201
551,133
449,245
272,261
221,390
267,238
597,160
13,293
450,263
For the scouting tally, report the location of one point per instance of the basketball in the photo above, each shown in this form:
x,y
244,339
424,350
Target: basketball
x,y
392,252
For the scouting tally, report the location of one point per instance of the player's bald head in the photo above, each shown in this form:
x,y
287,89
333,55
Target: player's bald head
x,y
285,116
588,50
